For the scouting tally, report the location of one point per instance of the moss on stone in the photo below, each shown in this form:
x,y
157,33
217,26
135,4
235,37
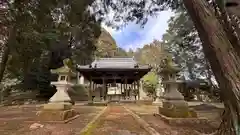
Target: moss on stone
x,y
177,112
55,115
192,113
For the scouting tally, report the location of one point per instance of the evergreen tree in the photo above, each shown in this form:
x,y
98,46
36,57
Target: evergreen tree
x,y
220,43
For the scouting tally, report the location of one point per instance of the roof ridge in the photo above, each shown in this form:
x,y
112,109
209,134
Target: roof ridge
x,y
114,62
114,58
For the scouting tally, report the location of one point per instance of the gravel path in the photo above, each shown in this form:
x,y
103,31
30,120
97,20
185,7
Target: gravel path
x,y
117,121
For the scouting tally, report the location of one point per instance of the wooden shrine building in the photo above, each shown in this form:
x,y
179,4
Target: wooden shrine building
x,y
107,71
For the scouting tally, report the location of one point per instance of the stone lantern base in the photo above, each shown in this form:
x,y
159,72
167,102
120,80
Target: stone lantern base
x,y
158,102
174,104
59,109
56,112
176,109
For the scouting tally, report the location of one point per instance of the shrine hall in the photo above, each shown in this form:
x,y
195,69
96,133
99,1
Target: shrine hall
x,y
123,74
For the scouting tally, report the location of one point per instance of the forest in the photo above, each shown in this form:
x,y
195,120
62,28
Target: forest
x,y
202,38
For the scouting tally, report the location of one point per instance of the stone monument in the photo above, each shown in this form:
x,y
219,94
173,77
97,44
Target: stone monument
x,y
59,107
173,103
159,93
142,94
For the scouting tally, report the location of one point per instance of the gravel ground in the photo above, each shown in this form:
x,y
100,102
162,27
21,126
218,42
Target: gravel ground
x,y
17,120
146,113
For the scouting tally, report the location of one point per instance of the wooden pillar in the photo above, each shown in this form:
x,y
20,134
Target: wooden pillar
x,y
93,87
101,91
138,86
133,84
133,88
93,90
121,90
114,81
90,90
104,89
126,89
78,78
121,87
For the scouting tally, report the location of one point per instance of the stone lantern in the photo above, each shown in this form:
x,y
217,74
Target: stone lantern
x,y
173,103
63,84
59,106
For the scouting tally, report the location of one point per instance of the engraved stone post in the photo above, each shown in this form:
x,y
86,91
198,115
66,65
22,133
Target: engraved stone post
x,y
142,94
159,93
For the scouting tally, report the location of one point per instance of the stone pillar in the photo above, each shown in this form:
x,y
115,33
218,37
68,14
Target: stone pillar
x,y
81,80
159,93
142,94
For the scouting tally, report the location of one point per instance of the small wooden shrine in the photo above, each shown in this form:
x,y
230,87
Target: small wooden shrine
x,y
124,71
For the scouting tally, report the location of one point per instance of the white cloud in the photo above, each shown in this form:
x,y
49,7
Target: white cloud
x,y
132,36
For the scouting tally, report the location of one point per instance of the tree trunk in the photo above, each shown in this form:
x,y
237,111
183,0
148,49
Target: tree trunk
x,y
209,76
225,20
190,65
11,39
3,61
222,56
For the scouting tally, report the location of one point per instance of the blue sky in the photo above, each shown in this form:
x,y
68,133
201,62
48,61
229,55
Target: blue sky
x,y
133,36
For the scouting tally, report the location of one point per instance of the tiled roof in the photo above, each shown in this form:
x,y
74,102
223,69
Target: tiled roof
x,y
114,63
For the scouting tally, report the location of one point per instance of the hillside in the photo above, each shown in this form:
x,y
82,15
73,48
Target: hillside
x,y
106,37
107,47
